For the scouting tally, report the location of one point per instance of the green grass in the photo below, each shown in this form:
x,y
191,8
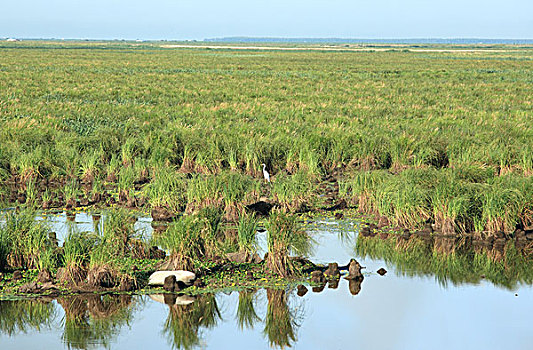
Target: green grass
x,y
216,117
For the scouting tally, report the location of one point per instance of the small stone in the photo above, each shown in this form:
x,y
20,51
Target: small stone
x,y
354,270
382,271
332,270
318,277
301,290
170,283
318,289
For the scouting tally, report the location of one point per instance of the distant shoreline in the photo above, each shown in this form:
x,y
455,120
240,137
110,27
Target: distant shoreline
x,y
337,41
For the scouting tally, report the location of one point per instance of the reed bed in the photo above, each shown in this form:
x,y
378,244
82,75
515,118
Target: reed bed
x,y
197,125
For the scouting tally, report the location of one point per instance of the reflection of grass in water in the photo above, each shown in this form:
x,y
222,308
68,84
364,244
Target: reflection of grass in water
x,y
246,315
21,316
450,261
280,324
93,321
183,323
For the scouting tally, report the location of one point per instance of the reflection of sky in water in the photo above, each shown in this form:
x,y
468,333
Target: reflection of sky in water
x,y
390,312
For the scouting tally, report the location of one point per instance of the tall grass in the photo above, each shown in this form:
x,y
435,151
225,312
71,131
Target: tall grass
x,y
246,232
283,237
185,241
233,117
24,242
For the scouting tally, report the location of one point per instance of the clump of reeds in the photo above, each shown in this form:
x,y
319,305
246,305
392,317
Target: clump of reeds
x,y
24,242
283,236
293,191
167,189
76,256
246,233
184,239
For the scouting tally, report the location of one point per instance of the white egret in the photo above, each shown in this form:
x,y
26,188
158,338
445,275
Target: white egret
x,y
266,175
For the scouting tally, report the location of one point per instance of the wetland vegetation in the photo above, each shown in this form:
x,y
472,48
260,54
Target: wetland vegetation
x,y
438,144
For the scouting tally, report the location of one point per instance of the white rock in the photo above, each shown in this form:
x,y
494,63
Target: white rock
x,y
158,277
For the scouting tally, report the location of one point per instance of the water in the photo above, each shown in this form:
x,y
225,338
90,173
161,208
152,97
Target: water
x,y
401,310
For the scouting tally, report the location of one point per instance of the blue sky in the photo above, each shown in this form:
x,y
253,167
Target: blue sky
x,y
199,19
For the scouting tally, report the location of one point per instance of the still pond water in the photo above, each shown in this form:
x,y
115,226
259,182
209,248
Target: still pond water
x,y
400,310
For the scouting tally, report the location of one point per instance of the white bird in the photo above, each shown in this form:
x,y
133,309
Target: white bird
x,y
266,175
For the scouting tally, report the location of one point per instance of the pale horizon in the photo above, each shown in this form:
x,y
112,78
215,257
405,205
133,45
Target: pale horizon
x,y
207,19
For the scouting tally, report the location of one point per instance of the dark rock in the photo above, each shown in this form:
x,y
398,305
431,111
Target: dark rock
x,y
318,277
382,271
101,277
354,270
318,289
262,208
170,299
301,290
170,283
332,271
17,275
44,276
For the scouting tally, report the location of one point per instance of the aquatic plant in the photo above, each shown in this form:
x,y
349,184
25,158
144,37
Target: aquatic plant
x,y
23,240
185,242
283,236
246,232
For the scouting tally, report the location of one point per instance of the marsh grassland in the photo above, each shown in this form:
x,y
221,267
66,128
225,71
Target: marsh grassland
x,y
414,140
